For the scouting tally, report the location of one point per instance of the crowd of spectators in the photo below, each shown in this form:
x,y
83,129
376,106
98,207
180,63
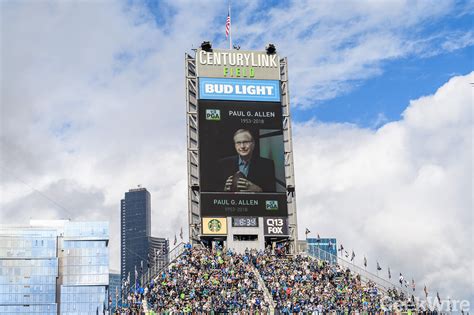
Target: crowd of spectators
x,y
304,284
203,281
221,281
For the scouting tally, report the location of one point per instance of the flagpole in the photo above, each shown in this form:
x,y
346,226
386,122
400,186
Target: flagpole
x,y
230,29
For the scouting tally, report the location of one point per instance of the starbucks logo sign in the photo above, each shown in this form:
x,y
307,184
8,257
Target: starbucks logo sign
x,y
214,225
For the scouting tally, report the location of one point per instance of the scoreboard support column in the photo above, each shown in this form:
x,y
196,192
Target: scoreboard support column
x,y
289,164
194,217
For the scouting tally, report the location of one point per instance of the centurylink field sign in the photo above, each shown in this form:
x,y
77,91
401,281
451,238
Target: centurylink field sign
x,y
237,64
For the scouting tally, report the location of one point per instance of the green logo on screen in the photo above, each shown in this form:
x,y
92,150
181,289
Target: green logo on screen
x,y
271,204
214,225
213,114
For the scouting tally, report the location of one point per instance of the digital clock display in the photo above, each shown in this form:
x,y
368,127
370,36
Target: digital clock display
x,y
245,222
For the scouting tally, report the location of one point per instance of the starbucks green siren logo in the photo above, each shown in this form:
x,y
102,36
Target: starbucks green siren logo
x,y
214,225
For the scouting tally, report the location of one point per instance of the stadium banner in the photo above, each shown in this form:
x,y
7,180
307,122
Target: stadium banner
x,y
241,159
214,226
275,226
239,90
235,64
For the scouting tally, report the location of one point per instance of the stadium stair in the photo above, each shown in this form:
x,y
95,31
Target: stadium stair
x,y
145,302
261,284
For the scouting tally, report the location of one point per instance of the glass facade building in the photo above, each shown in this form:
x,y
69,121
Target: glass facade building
x,y
54,267
28,270
82,300
159,248
135,231
84,268
114,289
323,248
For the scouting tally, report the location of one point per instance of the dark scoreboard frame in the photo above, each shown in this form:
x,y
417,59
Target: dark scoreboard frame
x,y
218,121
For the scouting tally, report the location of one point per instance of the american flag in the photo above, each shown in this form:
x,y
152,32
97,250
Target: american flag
x,y
227,26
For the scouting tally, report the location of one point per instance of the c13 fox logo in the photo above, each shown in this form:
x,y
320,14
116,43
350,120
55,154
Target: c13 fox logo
x,y
275,226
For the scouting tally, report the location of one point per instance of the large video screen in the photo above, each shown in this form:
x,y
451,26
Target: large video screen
x,y
241,153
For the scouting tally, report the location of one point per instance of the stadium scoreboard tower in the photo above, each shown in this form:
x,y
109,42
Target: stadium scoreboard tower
x,y
241,186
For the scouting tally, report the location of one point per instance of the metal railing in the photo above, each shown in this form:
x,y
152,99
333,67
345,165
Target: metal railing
x,y
144,278
154,270
268,296
172,256
382,283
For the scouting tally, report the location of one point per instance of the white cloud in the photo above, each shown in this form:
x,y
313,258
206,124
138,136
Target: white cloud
x,y
331,44
402,194
458,40
92,104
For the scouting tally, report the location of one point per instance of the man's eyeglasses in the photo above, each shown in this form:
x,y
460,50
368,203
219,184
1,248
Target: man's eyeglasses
x,y
243,143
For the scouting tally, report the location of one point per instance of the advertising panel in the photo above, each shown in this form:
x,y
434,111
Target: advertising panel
x,y
239,90
275,226
234,64
214,226
241,155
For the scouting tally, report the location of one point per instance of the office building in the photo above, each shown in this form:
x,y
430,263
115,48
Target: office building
x,y
159,248
135,231
114,290
139,250
323,248
83,267
28,270
54,267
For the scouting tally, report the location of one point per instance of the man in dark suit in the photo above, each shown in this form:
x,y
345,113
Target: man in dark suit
x,y
245,171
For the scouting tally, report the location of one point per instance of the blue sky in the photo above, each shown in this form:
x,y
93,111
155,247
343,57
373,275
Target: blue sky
x,y
378,98
384,98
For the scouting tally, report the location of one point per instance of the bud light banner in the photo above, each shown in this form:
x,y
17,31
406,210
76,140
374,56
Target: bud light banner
x,y
275,226
239,90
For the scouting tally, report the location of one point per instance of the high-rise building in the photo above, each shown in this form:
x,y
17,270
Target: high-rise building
x,y
28,270
139,250
83,267
135,231
54,267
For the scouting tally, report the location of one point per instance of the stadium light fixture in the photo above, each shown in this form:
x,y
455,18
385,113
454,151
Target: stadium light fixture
x,y
270,49
195,188
291,190
206,46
